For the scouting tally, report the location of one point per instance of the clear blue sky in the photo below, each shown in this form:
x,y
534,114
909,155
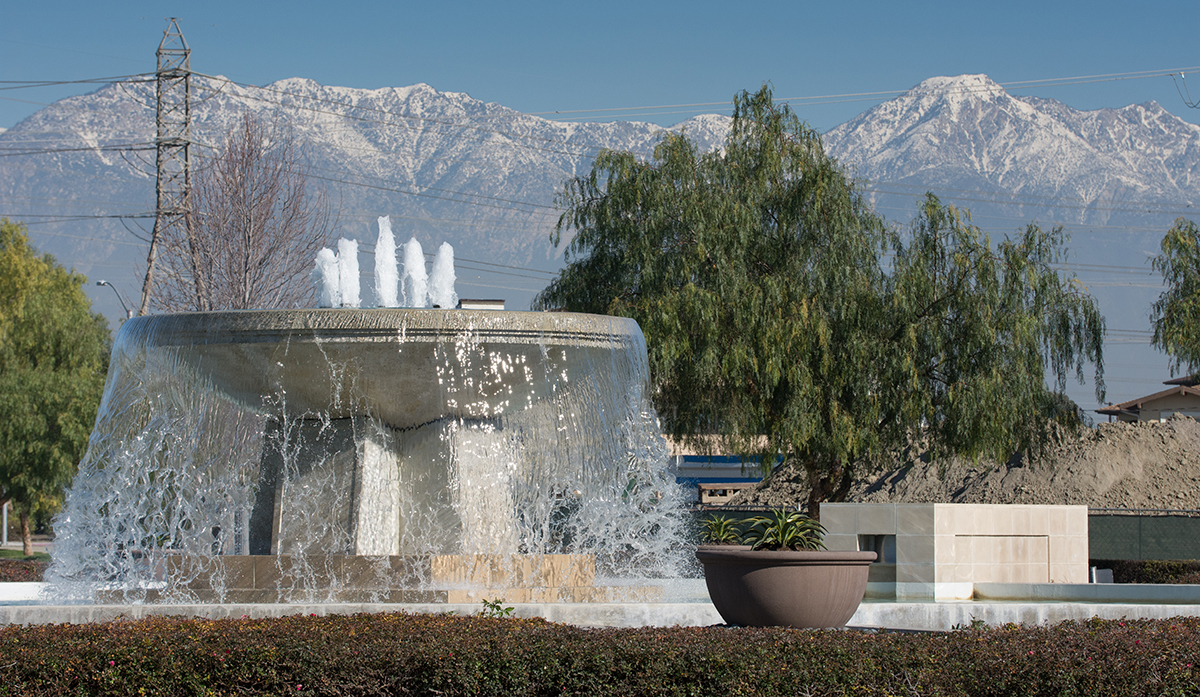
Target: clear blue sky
x,y
567,56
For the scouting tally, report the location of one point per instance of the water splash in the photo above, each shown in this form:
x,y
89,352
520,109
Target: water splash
x,y
380,434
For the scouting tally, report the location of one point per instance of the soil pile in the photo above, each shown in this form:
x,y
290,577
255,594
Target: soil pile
x,y
1116,465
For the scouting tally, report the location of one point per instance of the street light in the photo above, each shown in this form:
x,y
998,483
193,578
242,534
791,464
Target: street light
x,y
128,312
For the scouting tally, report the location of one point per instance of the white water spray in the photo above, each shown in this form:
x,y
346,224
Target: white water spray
x,y
387,277
325,276
441,281
414,286
348,280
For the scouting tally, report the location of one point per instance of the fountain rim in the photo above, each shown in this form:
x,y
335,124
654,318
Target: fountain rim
x,y
400,325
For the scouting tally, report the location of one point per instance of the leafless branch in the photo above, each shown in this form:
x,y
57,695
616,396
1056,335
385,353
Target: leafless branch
x,y
252,229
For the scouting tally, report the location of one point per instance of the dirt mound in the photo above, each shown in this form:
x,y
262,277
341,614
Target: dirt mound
x,y
1116,465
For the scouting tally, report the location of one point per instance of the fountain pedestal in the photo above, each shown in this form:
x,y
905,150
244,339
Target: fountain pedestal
x,y
445,578
300,435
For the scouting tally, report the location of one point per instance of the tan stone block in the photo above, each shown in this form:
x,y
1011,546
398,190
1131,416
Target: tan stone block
x,y
875,519
916,591
1056,520
915,573
948,519
1077,521
914,519
1003,516
982,520
1020,520
202,573
964,573
314,571
840,542
384,572
1058,552
1068,573
568,570
1039,549
502,595
840,518
881,573
915,549
964,547
513,571
1039,520
945,550
989,572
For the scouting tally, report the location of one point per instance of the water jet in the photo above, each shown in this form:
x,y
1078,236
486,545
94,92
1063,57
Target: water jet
x,y
372,455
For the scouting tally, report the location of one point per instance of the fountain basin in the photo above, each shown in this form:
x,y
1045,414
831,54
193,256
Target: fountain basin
x,y
391,363
389,433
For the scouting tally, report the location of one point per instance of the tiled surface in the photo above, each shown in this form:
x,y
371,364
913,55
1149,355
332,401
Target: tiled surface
x,y
940,544
350,578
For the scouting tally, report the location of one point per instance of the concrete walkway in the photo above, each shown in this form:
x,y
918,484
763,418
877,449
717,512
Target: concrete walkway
x,y
908,616
1027,604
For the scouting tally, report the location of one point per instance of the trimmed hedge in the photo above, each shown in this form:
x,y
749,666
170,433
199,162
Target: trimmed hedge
x,y
1151,570
21,570
448,655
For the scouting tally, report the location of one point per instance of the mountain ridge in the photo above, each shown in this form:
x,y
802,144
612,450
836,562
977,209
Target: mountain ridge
x,y
448,167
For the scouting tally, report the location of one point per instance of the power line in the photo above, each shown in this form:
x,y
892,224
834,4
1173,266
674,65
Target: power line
x,y
875,96
26,84
130,147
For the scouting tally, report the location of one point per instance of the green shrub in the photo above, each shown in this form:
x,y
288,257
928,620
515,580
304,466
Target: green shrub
x,y
21,570
1150,570
471,655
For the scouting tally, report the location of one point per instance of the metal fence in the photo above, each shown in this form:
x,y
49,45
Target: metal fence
x,y
1126,533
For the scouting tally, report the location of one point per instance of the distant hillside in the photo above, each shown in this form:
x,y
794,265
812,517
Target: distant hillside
x,y
483,177
445,166
966,134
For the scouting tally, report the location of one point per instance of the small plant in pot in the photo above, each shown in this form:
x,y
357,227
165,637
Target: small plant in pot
x,y
775,572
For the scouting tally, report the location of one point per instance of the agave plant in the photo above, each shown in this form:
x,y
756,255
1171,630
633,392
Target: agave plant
x,y
721,530
784,530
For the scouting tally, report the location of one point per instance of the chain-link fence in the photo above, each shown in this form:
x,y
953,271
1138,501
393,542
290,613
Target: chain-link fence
x,y
1125,533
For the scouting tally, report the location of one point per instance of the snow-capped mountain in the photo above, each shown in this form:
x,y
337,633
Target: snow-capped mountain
x,y
445,166
967,135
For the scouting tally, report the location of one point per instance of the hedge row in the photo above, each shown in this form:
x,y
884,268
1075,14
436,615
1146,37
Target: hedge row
x,y
1151,570
21,570
449,655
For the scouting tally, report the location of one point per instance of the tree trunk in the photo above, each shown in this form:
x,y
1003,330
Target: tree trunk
x,y
826,485
26,536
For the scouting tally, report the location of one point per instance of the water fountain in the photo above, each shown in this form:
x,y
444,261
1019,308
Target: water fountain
x,y
384,454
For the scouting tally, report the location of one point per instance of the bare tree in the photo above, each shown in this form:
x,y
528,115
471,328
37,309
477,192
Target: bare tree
x,y
252,229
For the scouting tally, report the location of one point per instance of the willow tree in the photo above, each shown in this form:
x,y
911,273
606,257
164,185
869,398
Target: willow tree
x,y
53,359
1176,314
772,321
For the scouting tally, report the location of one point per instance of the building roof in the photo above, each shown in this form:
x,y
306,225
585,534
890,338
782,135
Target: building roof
x,y
1189,381
1134,406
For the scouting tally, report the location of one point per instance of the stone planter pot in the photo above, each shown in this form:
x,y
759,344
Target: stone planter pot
x,y
784,588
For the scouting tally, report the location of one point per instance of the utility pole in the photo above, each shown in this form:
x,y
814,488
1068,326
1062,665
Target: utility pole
x,y
173,89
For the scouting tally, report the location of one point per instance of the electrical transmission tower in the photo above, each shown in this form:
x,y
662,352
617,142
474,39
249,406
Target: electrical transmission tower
x,y
173,89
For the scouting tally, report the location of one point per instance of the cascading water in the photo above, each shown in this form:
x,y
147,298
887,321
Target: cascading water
x,y
301,440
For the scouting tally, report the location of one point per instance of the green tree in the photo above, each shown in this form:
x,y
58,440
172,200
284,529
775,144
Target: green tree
x,y
1176,313
53,360
778,318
